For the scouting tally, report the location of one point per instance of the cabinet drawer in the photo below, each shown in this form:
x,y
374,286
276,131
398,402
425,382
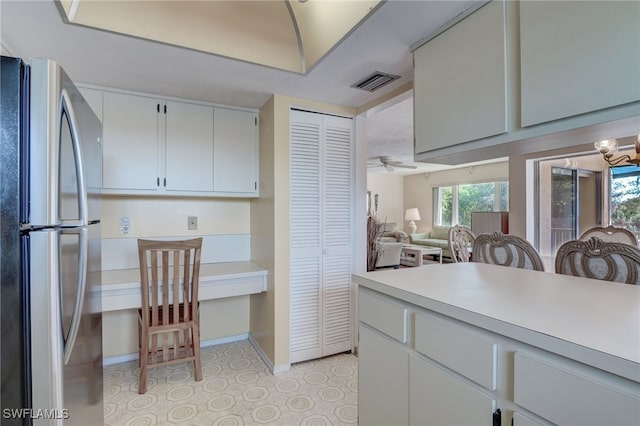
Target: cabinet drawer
x,y
384,315
465,352
563,396
439,398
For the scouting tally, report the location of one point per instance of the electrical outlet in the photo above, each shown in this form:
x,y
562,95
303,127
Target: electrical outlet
x,y
192,223
125,225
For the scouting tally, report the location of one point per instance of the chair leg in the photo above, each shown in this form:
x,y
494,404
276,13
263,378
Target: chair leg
x,y
144,357
196,352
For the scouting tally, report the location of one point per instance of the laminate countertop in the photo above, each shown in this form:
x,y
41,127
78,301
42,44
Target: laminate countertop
x,y
591,321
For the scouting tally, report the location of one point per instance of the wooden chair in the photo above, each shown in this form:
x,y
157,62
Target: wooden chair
x,y
506,250
602,260
461,239
169,329
610,234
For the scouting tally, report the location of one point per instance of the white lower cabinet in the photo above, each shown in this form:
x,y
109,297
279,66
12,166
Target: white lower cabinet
x,y
420,367
383,392
440,398
586,397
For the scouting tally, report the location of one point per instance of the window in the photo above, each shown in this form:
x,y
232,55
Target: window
x,y
454,204
624,198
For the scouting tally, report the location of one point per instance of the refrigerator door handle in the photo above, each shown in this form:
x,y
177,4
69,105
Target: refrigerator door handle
x,y
80,293
83,211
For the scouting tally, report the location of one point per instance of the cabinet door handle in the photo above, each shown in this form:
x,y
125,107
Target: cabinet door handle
x,y
158,181
165,182
165,108
497,418
158,107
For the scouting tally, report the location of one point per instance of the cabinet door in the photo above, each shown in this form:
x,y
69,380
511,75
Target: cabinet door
x,y
383,380
337,235
130,146
460,82
439,398
189,157
577,57
235,151
305,237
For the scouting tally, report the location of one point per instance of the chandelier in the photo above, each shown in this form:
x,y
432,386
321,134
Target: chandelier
x,y
609,147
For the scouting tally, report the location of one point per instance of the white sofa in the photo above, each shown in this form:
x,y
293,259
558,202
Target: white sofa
x,y
389,233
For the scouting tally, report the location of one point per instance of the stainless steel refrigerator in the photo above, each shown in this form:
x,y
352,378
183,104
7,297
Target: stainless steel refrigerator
x,y
50,301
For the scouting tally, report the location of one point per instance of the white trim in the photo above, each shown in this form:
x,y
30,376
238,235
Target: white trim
x,y
118,359
121,288
275,370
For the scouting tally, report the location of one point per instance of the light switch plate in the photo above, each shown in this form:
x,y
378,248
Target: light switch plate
x,y
192,223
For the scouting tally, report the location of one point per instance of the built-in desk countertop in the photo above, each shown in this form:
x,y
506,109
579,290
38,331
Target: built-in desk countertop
x,y
591,321
121,288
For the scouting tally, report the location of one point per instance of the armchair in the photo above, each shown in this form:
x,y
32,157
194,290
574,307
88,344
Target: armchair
x,y
389,255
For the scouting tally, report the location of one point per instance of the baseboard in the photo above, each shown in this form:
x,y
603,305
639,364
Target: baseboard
x,y
117,359
275,369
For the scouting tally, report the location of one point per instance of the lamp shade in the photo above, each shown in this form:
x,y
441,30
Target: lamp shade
x,y
412,214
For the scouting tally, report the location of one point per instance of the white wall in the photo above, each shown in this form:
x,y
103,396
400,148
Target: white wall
x,y
390,190
418,189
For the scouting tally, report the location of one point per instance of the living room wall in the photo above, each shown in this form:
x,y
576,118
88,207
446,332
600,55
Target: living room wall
x,y
418,188
390,190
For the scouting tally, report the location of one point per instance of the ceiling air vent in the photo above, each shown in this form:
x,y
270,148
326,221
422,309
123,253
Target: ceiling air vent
x,y
373,82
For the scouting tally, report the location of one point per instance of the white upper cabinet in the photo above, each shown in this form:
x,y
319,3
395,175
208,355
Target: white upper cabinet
x,y
460,81
512,72
235,151
577,57
131,147
189,147
155,146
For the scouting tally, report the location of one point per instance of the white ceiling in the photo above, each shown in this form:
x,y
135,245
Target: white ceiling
x,y
382,42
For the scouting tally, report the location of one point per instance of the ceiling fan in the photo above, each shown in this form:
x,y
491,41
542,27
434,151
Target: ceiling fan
x,y
389,164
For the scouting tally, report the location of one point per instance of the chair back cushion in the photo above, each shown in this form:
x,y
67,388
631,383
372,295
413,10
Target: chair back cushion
x,y
602,260
506,250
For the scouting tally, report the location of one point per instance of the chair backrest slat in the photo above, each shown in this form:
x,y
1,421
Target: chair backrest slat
x,y
173,279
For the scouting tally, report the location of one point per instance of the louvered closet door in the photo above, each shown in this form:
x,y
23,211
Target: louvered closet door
x,y
337,235
321,235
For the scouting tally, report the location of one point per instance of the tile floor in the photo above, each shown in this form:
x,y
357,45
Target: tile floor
x,y
237,389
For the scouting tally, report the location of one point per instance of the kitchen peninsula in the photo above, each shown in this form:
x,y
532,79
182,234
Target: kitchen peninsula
x,y
483,344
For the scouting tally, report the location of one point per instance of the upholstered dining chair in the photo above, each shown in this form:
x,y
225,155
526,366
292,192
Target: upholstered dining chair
x,y
169,330
610,234
461,240
506,250
602,260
